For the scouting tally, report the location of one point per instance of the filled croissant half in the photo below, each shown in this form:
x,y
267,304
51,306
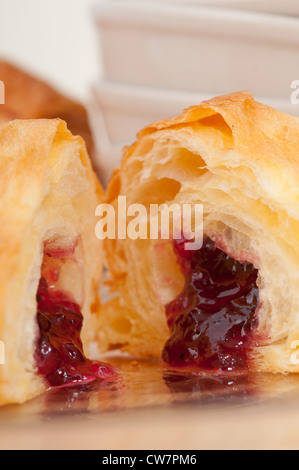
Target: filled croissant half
x,y
50,259
233,304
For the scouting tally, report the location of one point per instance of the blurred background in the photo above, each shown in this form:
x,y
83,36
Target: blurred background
x,y
132,62
55,39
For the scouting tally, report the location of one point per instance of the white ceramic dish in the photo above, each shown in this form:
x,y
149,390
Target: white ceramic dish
x,y
118,112
198,49
127,109
287,7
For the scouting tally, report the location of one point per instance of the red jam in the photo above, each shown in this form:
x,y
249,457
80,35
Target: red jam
x,y
59,352
213,318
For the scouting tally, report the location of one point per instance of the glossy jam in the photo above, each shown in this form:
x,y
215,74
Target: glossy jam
x,y
212,320
59,352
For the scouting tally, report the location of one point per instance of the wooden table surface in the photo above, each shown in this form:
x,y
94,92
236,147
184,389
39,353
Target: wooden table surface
x,y
151,409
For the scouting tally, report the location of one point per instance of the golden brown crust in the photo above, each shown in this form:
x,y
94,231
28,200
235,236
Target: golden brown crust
x,y
240,159
27,97
48,191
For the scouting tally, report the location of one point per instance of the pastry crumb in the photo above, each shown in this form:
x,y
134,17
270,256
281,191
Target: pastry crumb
x,y
134,364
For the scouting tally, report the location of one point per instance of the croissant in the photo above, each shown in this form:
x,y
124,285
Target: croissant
x,y
27,97
233,304
51,261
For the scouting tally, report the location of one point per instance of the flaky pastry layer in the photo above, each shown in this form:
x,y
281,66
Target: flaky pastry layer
x,y
240,159
49,193
28,97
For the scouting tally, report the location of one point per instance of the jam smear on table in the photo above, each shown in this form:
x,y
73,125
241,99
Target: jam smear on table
x,y
59,351
212,320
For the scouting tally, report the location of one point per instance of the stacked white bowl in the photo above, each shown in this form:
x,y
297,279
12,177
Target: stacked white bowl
x,y
161,56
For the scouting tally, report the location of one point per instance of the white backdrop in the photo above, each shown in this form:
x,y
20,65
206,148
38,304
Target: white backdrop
x,y
54,38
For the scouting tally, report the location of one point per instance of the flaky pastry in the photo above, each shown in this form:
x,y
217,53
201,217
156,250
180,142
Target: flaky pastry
x,y
234,304
27,97
51,261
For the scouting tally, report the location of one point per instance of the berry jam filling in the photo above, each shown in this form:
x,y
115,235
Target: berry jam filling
x,y
212,320
59,352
